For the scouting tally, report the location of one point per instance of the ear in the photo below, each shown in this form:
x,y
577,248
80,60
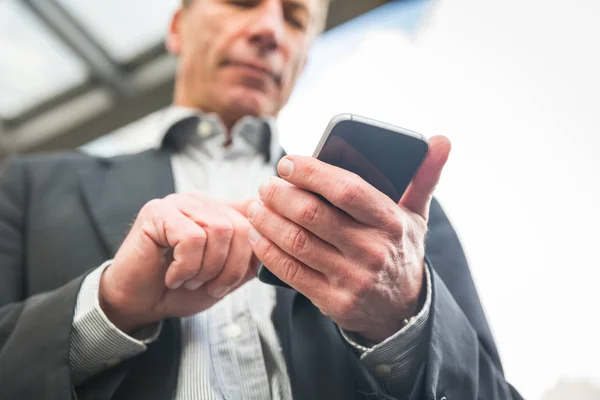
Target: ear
x,y
173,42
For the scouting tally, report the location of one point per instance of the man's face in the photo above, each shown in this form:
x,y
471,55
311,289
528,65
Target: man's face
x,y
241,57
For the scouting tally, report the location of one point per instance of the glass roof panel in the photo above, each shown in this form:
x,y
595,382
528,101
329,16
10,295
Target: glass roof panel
x,y
34,64
124,28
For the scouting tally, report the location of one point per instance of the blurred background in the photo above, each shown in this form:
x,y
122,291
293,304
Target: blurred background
x,y
513,83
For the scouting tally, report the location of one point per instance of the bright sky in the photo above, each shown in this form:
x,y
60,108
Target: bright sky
x,y
515,87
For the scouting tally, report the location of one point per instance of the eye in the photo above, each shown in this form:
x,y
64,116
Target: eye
x,y
296,19
296,23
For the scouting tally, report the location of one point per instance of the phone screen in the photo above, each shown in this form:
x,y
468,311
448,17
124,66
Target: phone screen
x,y
385,158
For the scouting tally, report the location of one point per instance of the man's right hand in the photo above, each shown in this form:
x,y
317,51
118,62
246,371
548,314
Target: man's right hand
x,y
183,254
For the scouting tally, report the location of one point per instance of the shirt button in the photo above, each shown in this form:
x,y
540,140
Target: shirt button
x,y
383,370
233,331
204,129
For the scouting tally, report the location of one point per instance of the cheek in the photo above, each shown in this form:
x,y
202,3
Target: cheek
x,y
199,51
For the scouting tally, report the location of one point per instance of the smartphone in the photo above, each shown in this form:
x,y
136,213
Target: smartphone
x,y
386,156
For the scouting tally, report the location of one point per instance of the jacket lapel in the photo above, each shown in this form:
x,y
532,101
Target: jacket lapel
x,y
115,190
321,365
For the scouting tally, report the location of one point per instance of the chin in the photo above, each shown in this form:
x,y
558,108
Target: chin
x,y
251,102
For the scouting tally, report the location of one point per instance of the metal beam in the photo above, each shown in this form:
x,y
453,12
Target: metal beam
x,y
96,112
78,39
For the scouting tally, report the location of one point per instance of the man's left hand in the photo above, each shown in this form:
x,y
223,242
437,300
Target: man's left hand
x,y
361,263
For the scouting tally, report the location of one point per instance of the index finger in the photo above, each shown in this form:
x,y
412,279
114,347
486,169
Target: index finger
x,y
344,189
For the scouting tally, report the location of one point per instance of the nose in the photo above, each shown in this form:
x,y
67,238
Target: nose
x,y
268,28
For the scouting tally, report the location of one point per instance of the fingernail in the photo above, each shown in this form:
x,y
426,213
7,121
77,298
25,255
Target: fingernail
x,y
177,284
254,207
285,167
193,285
221,292
253,235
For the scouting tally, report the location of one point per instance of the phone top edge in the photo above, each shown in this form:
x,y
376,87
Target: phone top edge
x,y
390,127
367,121
332,123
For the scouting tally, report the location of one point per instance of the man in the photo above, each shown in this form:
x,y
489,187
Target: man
x,y
174,313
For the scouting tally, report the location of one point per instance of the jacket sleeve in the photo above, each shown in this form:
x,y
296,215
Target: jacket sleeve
x,y
35,331
34,345
458,365
462,360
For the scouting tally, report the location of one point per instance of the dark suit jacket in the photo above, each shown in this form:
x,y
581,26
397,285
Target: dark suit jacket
x,y
63,215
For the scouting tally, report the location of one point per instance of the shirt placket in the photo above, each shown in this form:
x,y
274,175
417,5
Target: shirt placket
x,y
238,369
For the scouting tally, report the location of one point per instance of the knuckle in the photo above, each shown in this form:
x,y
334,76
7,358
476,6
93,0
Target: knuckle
x,y
262,217
269,193
346,305
187,270
348,191
291,270
183,269
310,173
363,284
403,219
377,256
267,252
196,237
298,240
151,208
390,217
399,225
309,211
223,228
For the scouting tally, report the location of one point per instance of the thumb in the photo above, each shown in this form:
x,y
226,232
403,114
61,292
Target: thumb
x,y
241,206
419,193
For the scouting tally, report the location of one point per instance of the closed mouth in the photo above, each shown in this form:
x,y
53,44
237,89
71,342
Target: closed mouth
x,y
257,67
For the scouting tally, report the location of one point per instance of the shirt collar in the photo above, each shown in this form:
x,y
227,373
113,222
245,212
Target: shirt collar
x,y
182,126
